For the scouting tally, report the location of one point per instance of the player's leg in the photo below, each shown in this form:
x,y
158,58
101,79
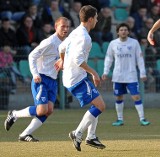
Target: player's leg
x,y
44,95
119,90
48,96
36,122
90,120
92,139
14,115
39,93
140,110
76,135
91,132
86,93
134,90
119,105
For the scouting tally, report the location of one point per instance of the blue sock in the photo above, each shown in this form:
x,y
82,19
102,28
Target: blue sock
x,y
42,118
32,110
119,101
94,111
139,102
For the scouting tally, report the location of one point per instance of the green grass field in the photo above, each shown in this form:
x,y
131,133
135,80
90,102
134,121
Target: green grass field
x,y
130,140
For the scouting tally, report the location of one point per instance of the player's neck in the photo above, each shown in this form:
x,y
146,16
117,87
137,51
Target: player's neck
x,y
86,25
60,37
123,39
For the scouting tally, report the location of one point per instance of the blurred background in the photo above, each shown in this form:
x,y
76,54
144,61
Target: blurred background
x,y
24,24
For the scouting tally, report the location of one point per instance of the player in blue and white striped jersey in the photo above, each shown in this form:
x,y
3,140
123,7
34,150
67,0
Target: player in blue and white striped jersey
x,y
44,84
127,55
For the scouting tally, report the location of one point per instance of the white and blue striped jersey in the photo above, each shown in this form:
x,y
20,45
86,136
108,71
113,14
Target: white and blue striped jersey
x,y
44,56
127,55
76,48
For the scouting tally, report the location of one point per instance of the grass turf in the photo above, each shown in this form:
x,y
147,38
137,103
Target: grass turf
x,y
130,140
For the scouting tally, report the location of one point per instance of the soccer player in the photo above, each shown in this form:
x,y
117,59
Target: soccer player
x,y
155,27
75,51
126,54
44,84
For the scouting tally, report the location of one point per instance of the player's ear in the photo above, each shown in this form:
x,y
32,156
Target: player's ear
x,y
55,26
90,19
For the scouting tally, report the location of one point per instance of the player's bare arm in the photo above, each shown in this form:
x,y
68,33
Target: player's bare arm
x,y
59,64
144,79
95,76
152,30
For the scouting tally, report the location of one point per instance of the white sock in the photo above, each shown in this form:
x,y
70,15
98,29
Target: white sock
x,y
87,119
140,111
119,110
35,124
91,134
22,113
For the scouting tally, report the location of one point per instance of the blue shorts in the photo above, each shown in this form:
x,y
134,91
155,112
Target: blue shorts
x,y
44,91
124,88
84,91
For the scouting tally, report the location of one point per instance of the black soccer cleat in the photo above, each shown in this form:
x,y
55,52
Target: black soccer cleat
x,y
9,121
76,141
95,143
27,138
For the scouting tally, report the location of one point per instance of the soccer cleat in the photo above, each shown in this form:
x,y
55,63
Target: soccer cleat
x,y
9,121
144,122
118,123
27,138
76,141
95,143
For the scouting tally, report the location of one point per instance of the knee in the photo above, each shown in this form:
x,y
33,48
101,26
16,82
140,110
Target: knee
x,y
119,98
102,107
136,98
49,112
99,103
42,112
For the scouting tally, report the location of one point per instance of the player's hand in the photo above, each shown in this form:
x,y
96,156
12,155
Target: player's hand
x,y
37,79
104,77
144,79
58,65
96,79
150,38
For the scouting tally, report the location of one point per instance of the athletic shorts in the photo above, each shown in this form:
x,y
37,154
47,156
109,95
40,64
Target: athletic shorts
x,y
124,88
44,91
84,91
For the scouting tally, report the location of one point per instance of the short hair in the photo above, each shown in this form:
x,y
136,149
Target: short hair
x,y
122,25
86,12
61,18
